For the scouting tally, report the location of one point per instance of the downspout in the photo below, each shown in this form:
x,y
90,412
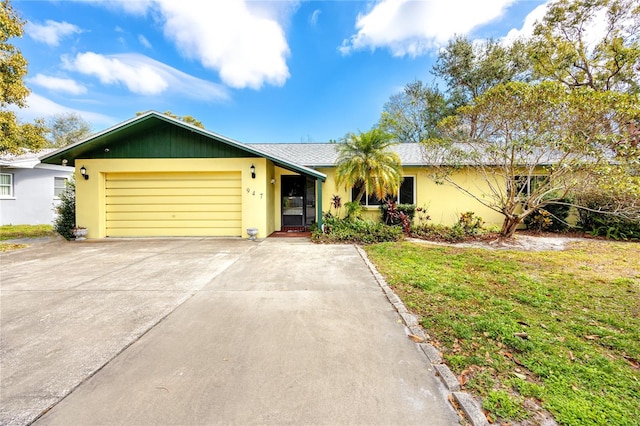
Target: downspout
x,y
319,203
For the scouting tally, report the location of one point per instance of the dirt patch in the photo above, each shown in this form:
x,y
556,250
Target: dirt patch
x,y
523,242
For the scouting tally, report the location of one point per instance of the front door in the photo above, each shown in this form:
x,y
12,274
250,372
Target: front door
x,y
298,202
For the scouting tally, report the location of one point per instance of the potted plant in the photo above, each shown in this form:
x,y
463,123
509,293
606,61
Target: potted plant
x,y
80,233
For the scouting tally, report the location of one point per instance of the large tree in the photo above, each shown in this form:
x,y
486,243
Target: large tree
x,y
532,144
67,128
592,43
471,68
15,136
413,114
366,160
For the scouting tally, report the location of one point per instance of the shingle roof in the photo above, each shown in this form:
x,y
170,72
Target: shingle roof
x,y
325,154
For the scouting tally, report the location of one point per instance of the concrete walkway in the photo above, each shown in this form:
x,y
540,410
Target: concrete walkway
x,y
207,331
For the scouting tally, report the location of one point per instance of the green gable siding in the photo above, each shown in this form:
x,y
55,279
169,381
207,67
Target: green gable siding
x,y
165,140
154,135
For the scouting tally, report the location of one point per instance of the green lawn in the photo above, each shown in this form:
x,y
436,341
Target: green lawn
x,y
11,232
559,330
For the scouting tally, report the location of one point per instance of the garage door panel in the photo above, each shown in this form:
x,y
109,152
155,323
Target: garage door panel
x,y
171,192
208,207
173,204
172,232
166,224
171,176
217,183
170,216
232,200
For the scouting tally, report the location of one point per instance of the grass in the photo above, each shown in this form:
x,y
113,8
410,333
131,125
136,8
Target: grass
x,y
11,232
521,330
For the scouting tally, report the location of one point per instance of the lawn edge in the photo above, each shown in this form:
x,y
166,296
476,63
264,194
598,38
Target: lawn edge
x,y
465,401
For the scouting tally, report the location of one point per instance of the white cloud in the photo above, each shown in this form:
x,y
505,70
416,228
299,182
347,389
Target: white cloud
x,y
143,76
408,27
314,17
526,31
51,32
41,107
242,40
143,41
595,28
65,85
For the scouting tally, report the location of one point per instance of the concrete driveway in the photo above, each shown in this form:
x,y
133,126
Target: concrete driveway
x,y
206,331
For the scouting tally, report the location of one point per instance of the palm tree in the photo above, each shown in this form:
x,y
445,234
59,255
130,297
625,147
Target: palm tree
x,y
365,160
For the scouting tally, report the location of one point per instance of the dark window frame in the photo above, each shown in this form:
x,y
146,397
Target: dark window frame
x,y
373,201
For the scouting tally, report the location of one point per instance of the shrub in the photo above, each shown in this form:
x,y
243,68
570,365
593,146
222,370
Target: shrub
x,y
599,221
449,234
66,219
552,217
398,214
356,231
407,209
470,223
353,210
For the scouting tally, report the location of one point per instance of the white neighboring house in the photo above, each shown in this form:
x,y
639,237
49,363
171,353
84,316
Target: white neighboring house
x,y
29,190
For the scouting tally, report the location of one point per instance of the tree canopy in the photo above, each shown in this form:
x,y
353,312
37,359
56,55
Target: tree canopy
x,y
412,115
67,128
469,69
592,43
366,160
14,136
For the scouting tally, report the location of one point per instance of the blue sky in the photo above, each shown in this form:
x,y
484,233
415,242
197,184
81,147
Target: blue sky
x,y
254,71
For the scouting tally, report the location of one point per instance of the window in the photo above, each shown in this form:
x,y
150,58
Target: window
x,y
525,185
6,185
406,196
59,185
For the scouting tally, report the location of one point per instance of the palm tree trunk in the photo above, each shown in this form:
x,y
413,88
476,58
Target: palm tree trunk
x,y
360,194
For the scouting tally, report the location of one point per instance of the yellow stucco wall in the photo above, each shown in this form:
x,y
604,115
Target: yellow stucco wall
x,y
256,193
261,207
444,203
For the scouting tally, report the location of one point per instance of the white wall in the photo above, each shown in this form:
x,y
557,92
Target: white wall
x,y
33,201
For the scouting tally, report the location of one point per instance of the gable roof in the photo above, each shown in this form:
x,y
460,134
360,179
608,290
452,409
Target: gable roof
x,y
326,154
151,119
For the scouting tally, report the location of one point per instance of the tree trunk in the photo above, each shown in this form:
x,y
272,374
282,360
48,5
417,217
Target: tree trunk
x,y
509,226
360,194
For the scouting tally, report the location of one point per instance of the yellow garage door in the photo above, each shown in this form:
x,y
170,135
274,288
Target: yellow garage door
x,y
173,204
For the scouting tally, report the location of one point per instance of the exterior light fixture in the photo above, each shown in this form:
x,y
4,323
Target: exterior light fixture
x,y
83,172
253,171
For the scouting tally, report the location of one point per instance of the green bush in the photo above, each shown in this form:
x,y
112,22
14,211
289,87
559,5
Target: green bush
x,y
66,219
470,223
356,231
601,223
552,217
407,209
353,210
428,231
